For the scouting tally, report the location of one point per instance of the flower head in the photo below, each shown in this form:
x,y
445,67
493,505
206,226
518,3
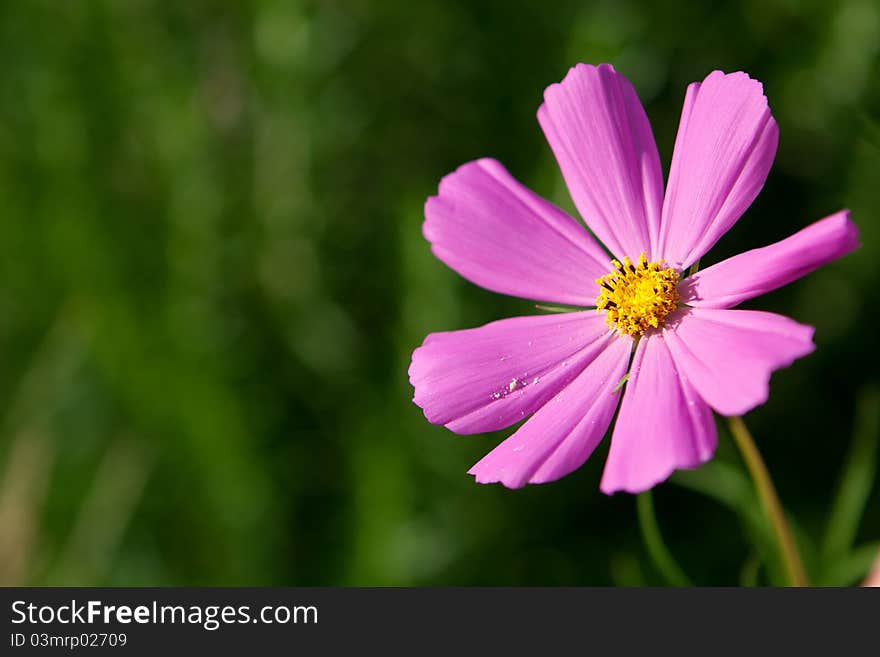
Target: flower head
x,y
636,297
676,337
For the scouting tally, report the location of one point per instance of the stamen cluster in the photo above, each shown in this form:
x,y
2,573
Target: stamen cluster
x,y
638,297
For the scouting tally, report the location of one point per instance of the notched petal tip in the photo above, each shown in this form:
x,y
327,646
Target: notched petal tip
x,y
850,231
417,374
662,477
579,72
433,203
495,477
739,77
579,69
619,487
485,163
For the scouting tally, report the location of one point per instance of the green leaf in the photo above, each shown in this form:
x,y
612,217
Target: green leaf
x,y
728,485
852,568
857,479
657,550
751,569
720,481
558,308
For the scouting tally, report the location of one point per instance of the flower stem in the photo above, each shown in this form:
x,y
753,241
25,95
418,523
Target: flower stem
x,y
770,501
657,549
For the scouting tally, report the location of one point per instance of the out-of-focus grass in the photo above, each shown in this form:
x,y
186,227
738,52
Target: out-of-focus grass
x,y
212,276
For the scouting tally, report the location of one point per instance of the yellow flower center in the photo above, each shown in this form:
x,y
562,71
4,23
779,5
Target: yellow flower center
x,y
638,297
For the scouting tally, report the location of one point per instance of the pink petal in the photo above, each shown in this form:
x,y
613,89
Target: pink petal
x,y
729,355
490,377
565,431
723,152
663,425
500,235
759,271
603,142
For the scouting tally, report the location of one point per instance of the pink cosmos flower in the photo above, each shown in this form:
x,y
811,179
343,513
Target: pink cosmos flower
x,y
685,350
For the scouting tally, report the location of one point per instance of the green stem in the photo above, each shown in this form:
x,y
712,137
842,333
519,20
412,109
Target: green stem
x,y
770,501
657,549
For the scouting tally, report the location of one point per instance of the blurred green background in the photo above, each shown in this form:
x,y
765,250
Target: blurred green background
x,y
212,276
